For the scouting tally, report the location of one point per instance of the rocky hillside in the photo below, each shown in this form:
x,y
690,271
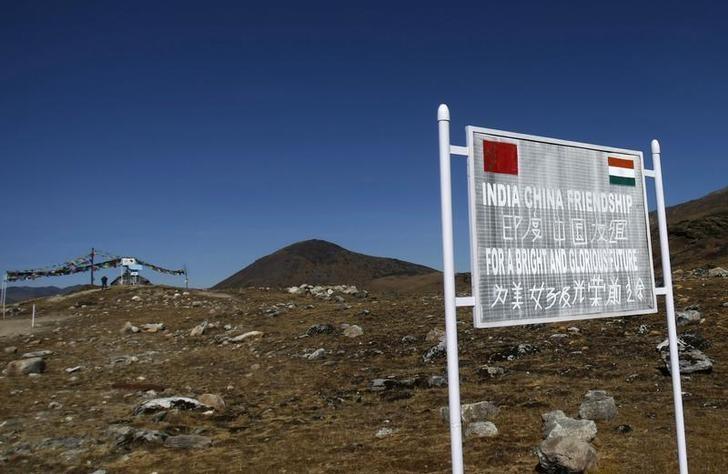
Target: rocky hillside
x,y
156,379
318,262
698,231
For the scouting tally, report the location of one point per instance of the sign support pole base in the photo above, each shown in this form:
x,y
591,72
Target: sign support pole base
x,y
448,275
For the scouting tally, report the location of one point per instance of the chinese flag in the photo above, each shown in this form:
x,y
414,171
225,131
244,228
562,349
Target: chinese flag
x,y
499,157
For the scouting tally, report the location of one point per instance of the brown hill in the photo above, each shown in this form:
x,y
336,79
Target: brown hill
x,y
698,231
319,262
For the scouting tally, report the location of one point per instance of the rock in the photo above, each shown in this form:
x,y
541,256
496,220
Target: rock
x,y
566,455
353,331
319,353
71,370
597,405
129,328
409,339
688,316
384,432
188,442
380,385
435,335
320,329
199,330
247,335
122,435
557,424
55,406
718,272
213,401
514,352
35,365
136,298
696,340
11,350
434,352
167,403
67,442
34,354
472,412
153,327
692,360
436,381
491,371
623,429
124,360
481,429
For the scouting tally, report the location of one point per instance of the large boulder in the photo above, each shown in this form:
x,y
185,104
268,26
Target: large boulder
x,y
34,365
692,360
561,454
557,424
597,405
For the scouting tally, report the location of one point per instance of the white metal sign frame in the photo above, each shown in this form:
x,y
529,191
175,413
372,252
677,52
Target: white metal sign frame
x,y
470,132
451,301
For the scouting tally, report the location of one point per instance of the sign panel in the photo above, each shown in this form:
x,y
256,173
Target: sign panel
x,y
128,261
559,230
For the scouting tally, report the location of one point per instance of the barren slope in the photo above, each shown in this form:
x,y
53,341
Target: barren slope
x,y
285,413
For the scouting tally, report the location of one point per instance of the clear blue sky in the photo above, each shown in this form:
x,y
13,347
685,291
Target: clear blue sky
x,y
212,133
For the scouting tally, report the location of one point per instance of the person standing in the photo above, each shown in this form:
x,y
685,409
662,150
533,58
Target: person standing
x,y
104,281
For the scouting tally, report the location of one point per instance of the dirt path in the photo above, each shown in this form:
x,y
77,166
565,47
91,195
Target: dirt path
x,y
17,326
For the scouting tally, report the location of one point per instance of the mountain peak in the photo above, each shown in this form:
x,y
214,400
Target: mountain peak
x,y
317,261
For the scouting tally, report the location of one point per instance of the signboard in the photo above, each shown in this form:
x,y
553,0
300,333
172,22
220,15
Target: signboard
x,y
128,261
559,230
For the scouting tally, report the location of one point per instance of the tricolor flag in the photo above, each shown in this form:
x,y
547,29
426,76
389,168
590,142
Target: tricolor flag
x,y
500,157
621,171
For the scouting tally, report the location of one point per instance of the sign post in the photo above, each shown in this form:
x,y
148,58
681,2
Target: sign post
x,y
4,292
559,231
670,310
448,275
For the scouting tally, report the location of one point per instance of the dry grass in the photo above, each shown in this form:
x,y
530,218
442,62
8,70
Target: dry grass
x,y
296,415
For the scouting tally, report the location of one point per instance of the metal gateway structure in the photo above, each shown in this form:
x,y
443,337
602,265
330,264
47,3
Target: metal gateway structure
x,y
558,232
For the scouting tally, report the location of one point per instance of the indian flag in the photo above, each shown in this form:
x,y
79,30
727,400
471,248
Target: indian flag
x,y
621,171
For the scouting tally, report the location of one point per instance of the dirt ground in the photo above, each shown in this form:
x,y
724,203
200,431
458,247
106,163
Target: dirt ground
x,y
285,413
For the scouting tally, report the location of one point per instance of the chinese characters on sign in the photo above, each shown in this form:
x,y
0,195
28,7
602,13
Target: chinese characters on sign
x,y
559,231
